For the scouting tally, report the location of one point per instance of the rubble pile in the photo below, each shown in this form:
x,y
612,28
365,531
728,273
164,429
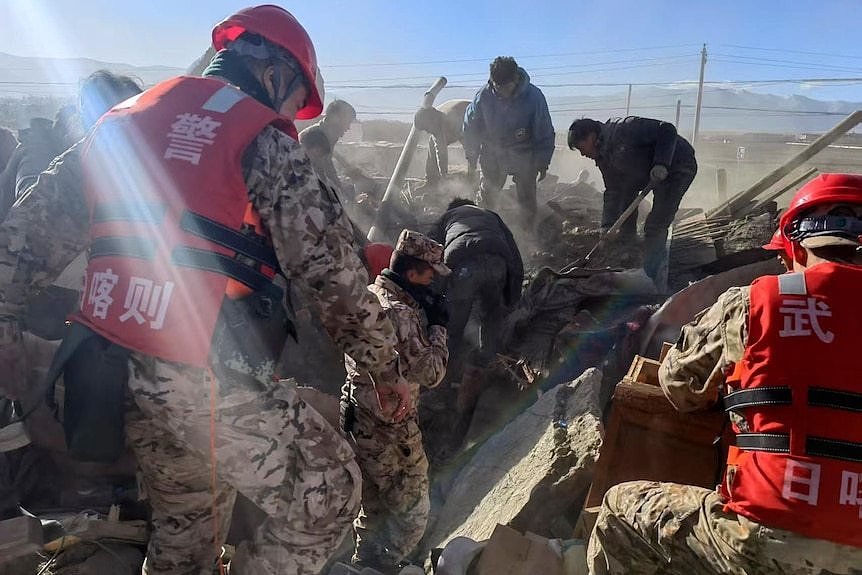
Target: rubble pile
x,y
532,475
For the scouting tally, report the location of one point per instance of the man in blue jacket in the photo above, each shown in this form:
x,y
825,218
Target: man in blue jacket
x,y
508,131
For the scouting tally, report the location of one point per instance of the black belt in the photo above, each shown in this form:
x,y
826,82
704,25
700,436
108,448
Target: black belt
x,y
140,248
817,397
149,212
220,264
224,236
814,446
757,396
122,246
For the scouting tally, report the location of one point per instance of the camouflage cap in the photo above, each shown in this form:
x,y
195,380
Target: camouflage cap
x,y
424,248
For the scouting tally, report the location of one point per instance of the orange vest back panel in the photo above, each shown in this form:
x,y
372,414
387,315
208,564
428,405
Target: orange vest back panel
x,y
798,464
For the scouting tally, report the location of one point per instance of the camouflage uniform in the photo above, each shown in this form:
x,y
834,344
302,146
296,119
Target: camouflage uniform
x,y
646,527
395,502
268,444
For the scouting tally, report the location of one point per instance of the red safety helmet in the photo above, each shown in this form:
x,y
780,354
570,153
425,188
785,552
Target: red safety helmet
x,y
378,255
279,27
777,243
824,189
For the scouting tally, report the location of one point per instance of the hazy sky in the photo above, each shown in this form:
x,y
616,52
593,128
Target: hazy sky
x,y
557,41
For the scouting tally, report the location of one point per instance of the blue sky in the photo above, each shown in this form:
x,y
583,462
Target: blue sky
x,y
559,42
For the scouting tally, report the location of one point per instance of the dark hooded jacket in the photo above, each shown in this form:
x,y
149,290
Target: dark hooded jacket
x,y
500,126
629,147
39,145
469,232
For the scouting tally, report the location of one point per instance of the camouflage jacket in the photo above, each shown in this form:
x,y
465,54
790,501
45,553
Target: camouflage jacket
x,y
694,369
48,227
422,348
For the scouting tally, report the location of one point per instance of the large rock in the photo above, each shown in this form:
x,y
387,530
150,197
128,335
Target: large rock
x,y
531,473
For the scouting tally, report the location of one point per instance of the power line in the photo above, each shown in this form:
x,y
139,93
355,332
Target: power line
x,y
488,58
794,67
532,69
680,83
818,65
831,55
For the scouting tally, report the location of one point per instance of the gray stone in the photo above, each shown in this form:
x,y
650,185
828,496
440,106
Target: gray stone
x,y
537,468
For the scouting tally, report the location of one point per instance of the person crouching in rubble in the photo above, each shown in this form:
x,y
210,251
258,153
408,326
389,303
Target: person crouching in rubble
x,y
487,273
633,153
784,354
395,501
193,199
508,131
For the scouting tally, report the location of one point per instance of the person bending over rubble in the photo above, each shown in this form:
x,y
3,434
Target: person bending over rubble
x,y
784,355
487,273
445,125
319,139
633,153
508,131
193,199
395,501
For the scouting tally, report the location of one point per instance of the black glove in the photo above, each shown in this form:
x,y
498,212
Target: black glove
x,y
436,310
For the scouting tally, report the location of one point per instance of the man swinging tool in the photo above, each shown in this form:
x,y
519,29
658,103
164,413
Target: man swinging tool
x,y
635,153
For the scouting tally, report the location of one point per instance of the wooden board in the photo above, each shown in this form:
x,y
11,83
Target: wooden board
x,y
648,439
643,370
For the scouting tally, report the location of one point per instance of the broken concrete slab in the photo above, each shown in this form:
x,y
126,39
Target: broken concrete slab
x,y
534,470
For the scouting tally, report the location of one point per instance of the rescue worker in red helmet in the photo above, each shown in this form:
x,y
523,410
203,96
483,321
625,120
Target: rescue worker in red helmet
x,y
784,354
197,205
779,247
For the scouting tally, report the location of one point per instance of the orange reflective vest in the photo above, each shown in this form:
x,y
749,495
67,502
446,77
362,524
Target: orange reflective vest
x,y
797,463
172,232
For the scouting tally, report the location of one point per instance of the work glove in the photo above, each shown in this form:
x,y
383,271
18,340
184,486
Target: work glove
x,y
542,173
658,173
436,310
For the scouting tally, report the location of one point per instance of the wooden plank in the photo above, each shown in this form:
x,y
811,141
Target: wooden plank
x,y
665,347
647,439
586,522
643,370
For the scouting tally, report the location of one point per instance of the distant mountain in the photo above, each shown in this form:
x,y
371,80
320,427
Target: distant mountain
x,y
27,76
724,109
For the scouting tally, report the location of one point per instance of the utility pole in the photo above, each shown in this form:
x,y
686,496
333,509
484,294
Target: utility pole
x,y
699,97
629,100
678,106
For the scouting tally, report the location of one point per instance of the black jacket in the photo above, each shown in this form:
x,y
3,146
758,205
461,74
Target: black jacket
x,y
469,232
39,145
628,148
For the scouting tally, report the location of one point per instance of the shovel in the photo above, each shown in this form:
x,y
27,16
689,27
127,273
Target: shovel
x,y
613,230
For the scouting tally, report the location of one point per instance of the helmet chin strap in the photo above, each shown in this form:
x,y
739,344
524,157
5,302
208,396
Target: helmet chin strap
x,y
295,83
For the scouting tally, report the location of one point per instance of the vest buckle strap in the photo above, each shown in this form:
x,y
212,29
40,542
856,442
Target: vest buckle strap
x,y
220,264
834,399
772,442
120,211
224,236
833,449
814,446
122,246
755,396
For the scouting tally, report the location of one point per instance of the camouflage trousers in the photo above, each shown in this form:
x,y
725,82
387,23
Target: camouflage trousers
x,y
647,527
395,503
269,445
